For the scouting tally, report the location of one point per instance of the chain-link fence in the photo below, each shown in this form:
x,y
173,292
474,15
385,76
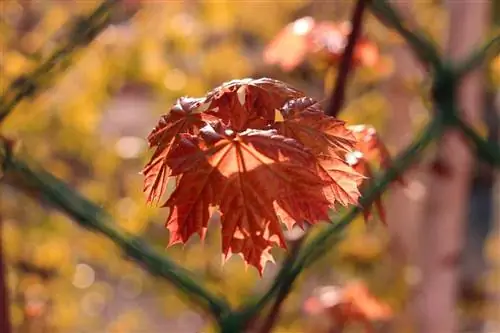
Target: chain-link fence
x,y
446,77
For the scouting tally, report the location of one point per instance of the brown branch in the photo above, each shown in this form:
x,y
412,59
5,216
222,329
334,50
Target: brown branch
x,y
273,316
338,95
5,326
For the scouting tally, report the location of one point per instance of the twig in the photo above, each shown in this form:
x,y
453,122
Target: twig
x,y
284,288
5,326
338,96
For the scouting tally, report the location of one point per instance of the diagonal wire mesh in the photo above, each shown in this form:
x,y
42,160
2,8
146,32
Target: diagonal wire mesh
x,y
40,184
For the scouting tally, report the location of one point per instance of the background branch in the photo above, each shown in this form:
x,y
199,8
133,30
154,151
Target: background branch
x,y
338,95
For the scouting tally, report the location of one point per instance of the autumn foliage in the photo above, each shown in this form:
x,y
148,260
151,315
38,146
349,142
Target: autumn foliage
x,y
324,39
370,148
349,304
259,152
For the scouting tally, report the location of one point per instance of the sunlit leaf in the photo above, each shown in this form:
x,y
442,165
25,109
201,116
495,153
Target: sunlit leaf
x,y
248,103
329,140
242,174
369,149
182,118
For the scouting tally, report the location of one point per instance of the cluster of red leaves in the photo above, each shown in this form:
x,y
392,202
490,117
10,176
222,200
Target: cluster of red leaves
x,y
348,304
259,152
325,39
369,148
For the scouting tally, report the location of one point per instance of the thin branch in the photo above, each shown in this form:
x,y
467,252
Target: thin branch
x,y
83,32
284,288
5,326
338,96
251,309
43,185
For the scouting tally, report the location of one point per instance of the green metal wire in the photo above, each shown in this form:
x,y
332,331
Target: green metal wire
x,y
489,50
41,184
44,186
84,31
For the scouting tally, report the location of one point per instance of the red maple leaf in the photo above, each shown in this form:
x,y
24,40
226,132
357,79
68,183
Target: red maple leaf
x,y
223,152
369,149
183,117
326,39
248,103
350,303
329,140
243,174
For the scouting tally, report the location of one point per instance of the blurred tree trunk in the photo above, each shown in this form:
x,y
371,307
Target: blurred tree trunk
x,y
446,207
493,325
403,204
493,296
397,136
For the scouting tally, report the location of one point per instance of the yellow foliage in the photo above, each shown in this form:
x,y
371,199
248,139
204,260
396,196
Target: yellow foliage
x,y
14,64
224,62
12,239
495,71
172,50
52,253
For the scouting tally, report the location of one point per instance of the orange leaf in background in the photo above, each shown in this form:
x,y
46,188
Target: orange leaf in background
x,y
182,118
348,304
331,39
291,45
248,103
370,144
370,148
243,175
329,140
366,53
306,36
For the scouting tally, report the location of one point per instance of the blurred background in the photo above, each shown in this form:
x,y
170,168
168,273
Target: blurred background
x,y
90,127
